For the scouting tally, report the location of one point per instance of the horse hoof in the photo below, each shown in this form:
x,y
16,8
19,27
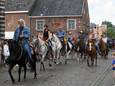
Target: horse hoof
x,y
18,80
65,62
35,77
55,62
13,82
50,65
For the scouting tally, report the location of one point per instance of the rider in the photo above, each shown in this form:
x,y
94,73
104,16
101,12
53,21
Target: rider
x,y
21,35
81,36
46,35
61,34
69,37
96,39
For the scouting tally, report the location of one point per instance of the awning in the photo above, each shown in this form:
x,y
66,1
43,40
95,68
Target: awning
x,y
9,35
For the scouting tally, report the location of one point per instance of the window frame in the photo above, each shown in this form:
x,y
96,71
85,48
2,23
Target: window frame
x,y
75,21
43,20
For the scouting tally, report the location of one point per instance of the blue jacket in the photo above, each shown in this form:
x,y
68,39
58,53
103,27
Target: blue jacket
x,y
26,34
61,34
70,39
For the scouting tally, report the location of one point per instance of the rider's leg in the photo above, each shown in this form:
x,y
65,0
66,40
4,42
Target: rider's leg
x,y
28,50
97,48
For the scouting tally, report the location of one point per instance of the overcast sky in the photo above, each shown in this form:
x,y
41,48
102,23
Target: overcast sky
x,y
101,10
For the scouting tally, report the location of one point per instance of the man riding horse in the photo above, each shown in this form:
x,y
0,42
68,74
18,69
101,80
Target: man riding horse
x,y
21,36
61,34
92,37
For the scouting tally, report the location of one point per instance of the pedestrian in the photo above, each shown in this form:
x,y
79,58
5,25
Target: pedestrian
x,y
0,52
6,51
113,61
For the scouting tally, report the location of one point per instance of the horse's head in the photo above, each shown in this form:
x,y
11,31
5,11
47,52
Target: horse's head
x,y
90,45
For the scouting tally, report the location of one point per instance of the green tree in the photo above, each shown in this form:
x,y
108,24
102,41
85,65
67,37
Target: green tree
x,y
108,23
110,29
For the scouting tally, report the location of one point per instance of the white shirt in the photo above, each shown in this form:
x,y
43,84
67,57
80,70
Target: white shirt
x,y
105,39
6,50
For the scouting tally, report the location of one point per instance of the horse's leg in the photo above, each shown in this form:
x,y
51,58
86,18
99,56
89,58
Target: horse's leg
x,y
25,69
19,72
92,61
35,73
58,56
88,61
42,62
50,58
9,70
96,60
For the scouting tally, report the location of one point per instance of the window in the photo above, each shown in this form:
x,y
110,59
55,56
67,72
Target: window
x,y
71,24
40,25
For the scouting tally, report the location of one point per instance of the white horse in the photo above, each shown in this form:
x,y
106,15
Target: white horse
x,y
41,49
56,47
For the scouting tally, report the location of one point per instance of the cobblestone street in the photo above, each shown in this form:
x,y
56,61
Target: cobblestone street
x,y
71,74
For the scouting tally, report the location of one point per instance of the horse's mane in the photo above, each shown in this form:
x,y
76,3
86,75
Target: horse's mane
x,y
54,35
14,47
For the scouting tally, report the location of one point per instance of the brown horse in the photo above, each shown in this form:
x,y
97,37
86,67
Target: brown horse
x,y
103,48
91,53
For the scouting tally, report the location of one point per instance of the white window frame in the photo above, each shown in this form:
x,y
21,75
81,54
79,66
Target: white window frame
x,y
37,24
68,24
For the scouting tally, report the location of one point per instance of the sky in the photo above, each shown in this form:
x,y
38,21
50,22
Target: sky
x,y
102,10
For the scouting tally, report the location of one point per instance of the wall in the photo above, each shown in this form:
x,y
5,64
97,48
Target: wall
x,y
56,23
11,20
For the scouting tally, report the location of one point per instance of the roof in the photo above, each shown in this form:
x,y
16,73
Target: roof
x,y
19,5
57,7
46,7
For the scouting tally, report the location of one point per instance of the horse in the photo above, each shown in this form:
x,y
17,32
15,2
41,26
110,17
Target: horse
x,y
18,56
66,49
80,49
56,47
41,50
91,53
103,48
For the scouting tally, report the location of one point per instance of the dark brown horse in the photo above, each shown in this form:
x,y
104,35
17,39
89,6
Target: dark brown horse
x,y
80,49
91,53
103,48
19,56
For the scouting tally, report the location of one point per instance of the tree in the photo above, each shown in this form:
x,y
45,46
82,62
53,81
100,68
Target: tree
x,y
108,23
110,29
111,32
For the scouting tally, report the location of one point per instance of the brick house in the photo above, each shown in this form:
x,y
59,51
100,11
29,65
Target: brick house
x,y
70,15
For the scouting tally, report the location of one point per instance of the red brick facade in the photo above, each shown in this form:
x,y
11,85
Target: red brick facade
x,y
12,18
56,23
